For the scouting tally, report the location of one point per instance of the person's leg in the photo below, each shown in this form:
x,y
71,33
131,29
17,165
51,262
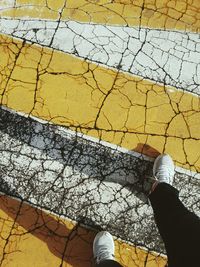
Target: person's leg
x,y
104,249
179,228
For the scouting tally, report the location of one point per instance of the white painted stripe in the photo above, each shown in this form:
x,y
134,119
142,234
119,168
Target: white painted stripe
x,y
63,131
168,57
4,4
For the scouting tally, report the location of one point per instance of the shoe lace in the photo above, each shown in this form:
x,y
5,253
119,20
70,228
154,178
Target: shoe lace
x,y
164,172
103,254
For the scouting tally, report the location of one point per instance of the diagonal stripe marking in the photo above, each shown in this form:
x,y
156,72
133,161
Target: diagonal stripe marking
x,y
163,56
181,15
78,94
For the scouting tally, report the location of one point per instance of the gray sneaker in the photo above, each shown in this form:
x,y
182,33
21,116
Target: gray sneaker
x,y
103,247
163,169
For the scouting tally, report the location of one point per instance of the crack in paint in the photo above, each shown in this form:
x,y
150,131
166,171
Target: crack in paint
x,y
95,185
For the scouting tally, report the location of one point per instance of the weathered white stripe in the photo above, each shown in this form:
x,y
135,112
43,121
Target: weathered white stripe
x,y
63,130
6,4
167,57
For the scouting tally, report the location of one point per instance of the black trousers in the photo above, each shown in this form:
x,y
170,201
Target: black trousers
x,y
178,227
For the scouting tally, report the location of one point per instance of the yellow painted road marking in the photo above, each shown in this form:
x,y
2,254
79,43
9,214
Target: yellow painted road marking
x,y
103,103
29,235
163,14
114,106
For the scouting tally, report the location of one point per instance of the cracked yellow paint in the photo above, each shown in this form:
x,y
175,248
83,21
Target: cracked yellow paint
x,y
32,237
116,107
163,14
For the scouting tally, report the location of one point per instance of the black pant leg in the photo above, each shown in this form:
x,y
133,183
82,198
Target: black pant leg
x,y
109,263
179,228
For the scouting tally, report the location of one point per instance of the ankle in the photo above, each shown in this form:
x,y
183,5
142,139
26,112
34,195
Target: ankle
x,y
154,185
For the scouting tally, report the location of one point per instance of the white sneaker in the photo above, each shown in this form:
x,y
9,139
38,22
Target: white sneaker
x,y
163,169
103,247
